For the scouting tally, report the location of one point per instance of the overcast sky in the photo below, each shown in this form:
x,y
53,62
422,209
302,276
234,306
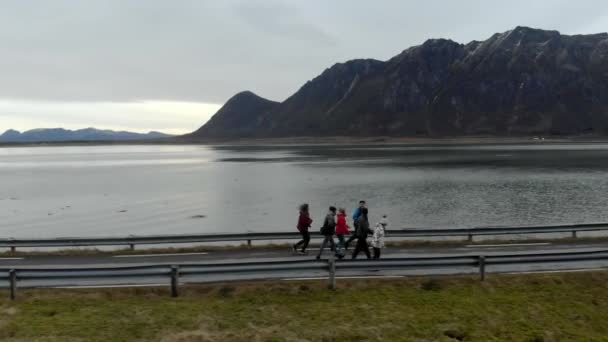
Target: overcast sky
x,y
169,65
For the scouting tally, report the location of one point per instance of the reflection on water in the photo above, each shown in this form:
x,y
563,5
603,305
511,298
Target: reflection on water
x,y
121,190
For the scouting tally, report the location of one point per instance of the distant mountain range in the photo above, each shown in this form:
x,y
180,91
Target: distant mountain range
x,y
64,135
521,82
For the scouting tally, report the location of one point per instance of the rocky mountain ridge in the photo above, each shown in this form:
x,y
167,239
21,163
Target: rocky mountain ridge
x,y
521,82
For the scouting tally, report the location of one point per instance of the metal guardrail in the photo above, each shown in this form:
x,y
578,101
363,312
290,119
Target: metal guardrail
x,y
132,240
174,271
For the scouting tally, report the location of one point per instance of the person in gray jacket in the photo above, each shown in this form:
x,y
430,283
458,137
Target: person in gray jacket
x,y
328,230
361,234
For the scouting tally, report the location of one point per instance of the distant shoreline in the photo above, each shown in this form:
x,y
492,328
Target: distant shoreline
x,y
340,140
467,140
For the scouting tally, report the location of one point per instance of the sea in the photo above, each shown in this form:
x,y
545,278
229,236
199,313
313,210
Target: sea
x,y
121,190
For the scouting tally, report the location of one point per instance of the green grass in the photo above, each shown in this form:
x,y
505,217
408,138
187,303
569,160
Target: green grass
x,y
564,307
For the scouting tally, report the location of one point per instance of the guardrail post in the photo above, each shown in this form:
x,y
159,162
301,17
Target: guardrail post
x,y
574,234
470,237
174,280
13,249
12,277
132,246
482,267
248,243
331,264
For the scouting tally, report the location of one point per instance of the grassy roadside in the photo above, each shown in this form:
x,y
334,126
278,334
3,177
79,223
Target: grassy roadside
x,y
284,246
504,308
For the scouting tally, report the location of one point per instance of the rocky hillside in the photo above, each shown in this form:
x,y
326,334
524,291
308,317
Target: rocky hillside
x,y
64,135
521,82
242,115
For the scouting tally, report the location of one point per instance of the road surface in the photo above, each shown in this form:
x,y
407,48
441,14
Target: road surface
x,y
130,278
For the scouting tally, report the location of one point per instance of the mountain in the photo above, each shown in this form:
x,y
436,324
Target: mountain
x,y
64,135
242,114
521,82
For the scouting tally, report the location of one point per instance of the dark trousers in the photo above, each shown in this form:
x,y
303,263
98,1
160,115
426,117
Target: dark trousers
x,y
341,241
376,253
350,239
352,236
340,245
305,240
329,239
362,247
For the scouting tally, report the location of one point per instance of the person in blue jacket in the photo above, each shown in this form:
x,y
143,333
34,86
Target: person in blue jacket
x,y
356,215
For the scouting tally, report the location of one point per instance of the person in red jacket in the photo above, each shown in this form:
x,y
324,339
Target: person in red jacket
x,y
304,222
341,231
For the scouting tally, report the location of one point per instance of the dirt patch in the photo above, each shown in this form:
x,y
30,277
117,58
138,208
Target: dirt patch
x,y
7,313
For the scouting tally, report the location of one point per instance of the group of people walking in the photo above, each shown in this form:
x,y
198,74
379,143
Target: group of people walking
x,y
335,223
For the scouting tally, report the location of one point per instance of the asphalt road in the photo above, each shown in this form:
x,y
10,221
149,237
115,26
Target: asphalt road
x,y
315,269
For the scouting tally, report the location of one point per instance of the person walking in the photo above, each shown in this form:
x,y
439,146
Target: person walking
x,y
304,222
328,230
341,231
356,215
361,234
378,237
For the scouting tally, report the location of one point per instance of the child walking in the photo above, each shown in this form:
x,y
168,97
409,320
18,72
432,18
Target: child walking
x,y
341,231
328,230
378,237
304,222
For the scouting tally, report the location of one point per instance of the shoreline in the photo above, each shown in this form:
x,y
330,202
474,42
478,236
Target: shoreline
x,y
334,140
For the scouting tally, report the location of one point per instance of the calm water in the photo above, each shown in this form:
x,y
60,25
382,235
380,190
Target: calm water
x,y
122,190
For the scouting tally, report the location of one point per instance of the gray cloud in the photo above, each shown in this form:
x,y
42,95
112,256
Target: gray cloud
x,y
126,50
277,19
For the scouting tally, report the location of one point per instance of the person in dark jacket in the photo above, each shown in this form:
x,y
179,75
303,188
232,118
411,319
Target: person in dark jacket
x,y
361,234
356,215
304,222
328,230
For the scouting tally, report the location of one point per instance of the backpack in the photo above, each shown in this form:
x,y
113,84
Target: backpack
x,y
327,229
